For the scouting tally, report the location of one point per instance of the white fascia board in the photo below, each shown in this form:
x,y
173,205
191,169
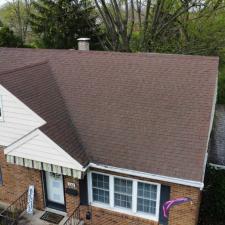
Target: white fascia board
x,y
23,149
36,116
210,128
174,180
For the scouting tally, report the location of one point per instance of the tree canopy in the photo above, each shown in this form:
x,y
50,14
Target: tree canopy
x,y
59,23
8,38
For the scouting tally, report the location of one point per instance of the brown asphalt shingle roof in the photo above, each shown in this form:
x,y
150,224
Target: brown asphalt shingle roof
x,y
35,85
146,112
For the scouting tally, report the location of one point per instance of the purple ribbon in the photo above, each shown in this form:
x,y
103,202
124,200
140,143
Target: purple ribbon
x,y
167,205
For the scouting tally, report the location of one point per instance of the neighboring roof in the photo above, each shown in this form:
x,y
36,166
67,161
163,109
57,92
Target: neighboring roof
x,y
144,112
217,139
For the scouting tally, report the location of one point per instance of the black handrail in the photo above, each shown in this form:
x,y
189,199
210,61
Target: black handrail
x,y
11,214
74,218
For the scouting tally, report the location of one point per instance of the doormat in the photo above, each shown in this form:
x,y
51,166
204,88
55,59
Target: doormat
x,y
52,217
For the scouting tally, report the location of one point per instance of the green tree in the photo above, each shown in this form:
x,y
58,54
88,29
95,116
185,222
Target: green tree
x,y
60,22
15,14
8,39
212,210
146,25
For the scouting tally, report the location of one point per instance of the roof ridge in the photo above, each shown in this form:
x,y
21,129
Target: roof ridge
x,y
24,67
134,54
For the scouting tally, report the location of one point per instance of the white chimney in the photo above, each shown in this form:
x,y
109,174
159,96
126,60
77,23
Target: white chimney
x,y
83,44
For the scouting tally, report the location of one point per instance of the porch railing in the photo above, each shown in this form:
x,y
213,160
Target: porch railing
x,y
74,218
11,214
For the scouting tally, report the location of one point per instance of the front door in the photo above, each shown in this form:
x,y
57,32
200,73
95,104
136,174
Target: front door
x,y
54,191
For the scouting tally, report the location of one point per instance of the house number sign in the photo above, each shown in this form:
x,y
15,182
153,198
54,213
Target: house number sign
x,y
71,185
71,189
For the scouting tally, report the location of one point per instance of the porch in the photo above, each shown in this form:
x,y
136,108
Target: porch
x,y
15,214
35,219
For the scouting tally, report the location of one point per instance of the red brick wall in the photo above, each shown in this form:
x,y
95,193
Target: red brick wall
x,y
16,180
72,202
186,214
107,217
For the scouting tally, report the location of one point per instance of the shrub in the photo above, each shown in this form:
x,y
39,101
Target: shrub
x,y
212,209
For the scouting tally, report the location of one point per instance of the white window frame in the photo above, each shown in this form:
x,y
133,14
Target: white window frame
x,y
120,207
110,206
99,188
1,109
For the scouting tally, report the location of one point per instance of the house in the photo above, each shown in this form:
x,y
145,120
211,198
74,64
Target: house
x,y
115,134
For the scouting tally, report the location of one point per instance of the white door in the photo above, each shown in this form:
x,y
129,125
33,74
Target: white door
x,y
54,186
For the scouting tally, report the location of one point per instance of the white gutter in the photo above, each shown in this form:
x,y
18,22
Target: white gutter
x,y
174,180
210,129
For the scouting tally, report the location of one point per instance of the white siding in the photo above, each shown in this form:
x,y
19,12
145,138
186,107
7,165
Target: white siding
x,y
38,147
18,119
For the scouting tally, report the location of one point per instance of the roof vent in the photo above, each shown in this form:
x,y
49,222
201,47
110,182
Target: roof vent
x,y
83,44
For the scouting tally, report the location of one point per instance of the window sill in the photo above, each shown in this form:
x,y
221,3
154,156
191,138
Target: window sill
x,y
125,211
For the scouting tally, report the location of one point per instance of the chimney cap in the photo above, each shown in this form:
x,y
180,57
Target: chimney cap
x,y
83,39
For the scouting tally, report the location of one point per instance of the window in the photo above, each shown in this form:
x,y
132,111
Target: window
x,y
100,188
1,179
123,193
146,198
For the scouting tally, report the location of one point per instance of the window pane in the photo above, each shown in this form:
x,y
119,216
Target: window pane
x,y
123,186
147,194
100,188
100,195
123,193
100,181
147,206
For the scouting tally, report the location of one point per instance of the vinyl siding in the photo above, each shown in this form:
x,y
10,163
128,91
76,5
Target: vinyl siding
x,y
18,120
37,146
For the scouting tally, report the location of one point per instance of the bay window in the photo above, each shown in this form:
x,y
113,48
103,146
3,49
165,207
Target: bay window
x,y
126,195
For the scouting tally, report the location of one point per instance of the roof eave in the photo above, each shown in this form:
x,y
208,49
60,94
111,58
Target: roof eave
x,y
175,180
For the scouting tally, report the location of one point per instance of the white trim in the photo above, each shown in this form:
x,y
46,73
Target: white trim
x,y
210,128
71,162
21,141
110,206
89,188
174,180
1,110
134,194
111,192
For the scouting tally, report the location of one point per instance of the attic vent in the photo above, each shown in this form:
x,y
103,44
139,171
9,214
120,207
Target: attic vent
x,y
1,109
83,44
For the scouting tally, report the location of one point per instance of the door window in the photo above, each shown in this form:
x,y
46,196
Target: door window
x,y
55,190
